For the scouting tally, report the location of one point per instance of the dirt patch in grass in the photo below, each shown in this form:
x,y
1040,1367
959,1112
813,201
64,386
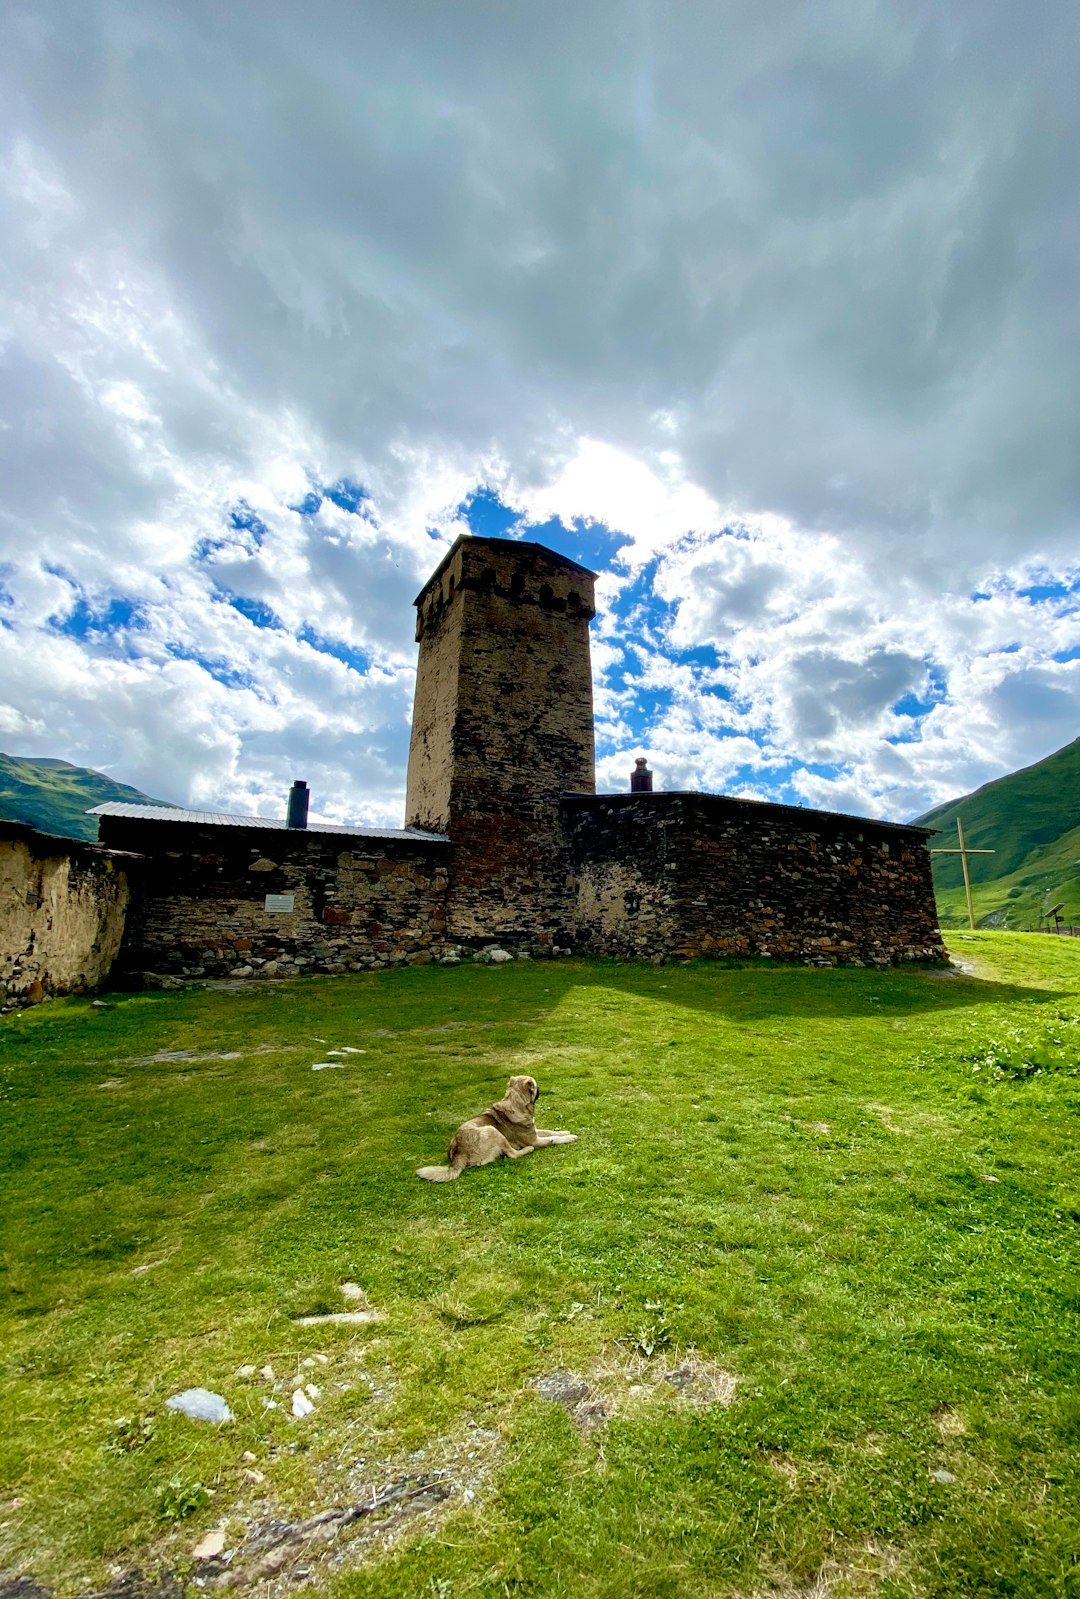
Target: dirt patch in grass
x,y
619,1383
276,1555
783,1465
949,1422
852,1571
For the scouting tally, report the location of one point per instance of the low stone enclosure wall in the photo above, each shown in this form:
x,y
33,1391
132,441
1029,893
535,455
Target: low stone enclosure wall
x,y
63,906
647,876
237,901
703,874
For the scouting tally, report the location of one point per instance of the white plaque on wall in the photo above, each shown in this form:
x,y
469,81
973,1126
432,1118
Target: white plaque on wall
x,y
279,902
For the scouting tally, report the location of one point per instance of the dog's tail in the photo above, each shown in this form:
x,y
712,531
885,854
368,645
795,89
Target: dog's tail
x,y
444,1174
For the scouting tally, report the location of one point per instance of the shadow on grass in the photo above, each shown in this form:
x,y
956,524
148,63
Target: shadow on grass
x,y
754,990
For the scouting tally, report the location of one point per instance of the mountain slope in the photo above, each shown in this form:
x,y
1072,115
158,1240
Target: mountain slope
x,y
1031,820
54,795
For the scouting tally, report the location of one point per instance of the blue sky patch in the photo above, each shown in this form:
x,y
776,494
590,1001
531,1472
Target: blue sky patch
x,y
85,620
245,520
347,494
255,610
217,669
348,654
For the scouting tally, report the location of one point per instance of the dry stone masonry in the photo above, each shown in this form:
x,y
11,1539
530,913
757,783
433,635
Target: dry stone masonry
x,y
509,851
703,874
230,900
502,727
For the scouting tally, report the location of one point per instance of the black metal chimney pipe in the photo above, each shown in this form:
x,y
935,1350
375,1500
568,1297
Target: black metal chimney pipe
x,y
296,815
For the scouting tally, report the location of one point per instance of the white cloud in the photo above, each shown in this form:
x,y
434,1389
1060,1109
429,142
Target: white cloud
x,y
804,273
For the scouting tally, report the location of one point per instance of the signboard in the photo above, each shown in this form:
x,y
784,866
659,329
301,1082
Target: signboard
x,y
279,902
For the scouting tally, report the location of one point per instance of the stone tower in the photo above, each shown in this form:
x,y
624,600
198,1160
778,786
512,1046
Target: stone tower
x,y
502,727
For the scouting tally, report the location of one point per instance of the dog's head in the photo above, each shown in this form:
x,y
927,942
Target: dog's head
x,y
524,1090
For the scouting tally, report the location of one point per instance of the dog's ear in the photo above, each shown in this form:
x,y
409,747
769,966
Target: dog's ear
x,y
534,1087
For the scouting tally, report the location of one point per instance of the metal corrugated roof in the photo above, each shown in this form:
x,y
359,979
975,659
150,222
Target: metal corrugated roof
x,y
174,813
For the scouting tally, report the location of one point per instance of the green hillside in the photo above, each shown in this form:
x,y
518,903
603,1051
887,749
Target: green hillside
x,y
55,796
1031,820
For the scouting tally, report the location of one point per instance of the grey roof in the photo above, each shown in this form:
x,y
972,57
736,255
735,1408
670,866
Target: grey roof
x,y
175,813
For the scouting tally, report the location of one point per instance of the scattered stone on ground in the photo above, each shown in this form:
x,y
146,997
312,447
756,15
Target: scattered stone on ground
x,y
209,1547
614,1385
188,1056
342,1318
17,1587
278,1555
492,956
353,1291
328,1066
301,1404
939,1474
199,1404
275,1544
245,1371
135,1584
561,1388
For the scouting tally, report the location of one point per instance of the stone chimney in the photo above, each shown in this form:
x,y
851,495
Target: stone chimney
x,y
641,777
296,815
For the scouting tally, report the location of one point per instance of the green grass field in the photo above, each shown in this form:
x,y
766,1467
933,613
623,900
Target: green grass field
x,y
811,1268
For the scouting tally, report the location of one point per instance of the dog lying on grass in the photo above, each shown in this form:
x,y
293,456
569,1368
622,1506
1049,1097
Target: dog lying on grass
x,y
507,1129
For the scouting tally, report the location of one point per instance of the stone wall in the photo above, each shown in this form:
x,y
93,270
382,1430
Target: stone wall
x,y
701,874
63,906
502,727
357,902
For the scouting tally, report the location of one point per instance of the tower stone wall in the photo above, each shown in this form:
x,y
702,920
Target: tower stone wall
x,y
502,727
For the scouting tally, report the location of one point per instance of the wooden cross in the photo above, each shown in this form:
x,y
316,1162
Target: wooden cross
x,y
963,853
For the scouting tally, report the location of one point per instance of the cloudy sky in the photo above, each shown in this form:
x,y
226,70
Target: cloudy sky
x,y
770,313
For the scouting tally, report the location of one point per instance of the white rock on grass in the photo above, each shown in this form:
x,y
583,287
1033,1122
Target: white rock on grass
x,y
301,1404
499,956
339,1318
329,1066
199,1404
210,1546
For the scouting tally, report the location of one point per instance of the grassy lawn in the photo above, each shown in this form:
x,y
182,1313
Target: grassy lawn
x,y
805,1292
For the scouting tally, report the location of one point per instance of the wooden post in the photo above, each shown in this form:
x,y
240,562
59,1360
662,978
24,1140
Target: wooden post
x,y
967,875
963,853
